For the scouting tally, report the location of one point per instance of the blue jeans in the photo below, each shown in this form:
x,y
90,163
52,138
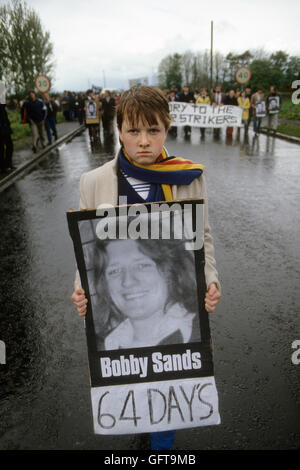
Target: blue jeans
x,y
256,123
50,124
162,440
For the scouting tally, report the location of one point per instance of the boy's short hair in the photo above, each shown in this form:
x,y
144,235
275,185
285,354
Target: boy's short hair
x,y
145,103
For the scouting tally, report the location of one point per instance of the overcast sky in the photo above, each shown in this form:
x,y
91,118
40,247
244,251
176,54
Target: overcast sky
x,y
109,42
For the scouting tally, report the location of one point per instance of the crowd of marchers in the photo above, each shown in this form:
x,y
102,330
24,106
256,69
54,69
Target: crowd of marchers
x,y
254,104
39,111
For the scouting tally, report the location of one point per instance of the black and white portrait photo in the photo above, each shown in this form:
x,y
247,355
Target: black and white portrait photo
x,y
143,292
260,109
274,104
91,110
146,294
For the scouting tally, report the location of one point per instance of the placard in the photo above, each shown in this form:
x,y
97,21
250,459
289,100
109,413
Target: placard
x,y
273,104
148,335
92,112
260,109
204,115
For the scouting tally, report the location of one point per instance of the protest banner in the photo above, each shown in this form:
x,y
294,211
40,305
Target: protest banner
x,y
204,115
148,335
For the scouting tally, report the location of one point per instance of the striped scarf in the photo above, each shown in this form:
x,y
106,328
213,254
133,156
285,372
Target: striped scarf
x,y
165,172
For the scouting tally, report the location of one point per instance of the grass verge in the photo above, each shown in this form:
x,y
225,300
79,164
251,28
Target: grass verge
x,y
289,129
289,110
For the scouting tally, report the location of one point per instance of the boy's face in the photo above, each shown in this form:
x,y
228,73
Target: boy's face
x,y
143,143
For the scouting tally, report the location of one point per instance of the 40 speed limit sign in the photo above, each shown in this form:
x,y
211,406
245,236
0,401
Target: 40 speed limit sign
x,y
42,83
243,75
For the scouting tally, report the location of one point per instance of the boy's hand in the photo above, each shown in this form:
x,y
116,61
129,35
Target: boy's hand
x,y
212,297
80,301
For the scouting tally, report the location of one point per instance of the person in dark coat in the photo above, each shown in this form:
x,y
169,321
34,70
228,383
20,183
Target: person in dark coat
x,y
36,113
109,111
50,121
186,97
6,144
230,99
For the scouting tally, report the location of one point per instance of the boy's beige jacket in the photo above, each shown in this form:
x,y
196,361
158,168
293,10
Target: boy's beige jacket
x,y
100,187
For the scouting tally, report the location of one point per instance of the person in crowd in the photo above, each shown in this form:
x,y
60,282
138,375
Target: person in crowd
x,y
172,98
273,104
258,109
143,121
36,112
203,98
71,98
65,105
76,107
6,143
237,93
50,121
80,108
249,96
175,90
57,102
196,95
217,99
93,124
108,105
244,103
163,308
230,99
186,96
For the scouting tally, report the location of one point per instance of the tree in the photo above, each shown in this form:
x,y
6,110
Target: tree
x,y
187,66
169,71
219,67
25,49
262,74
292,71
279,60
267,69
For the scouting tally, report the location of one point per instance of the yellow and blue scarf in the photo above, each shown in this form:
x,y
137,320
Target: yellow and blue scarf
x,y
165,172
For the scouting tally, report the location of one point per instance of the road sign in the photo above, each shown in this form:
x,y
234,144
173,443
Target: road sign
x,y
243,75
42,83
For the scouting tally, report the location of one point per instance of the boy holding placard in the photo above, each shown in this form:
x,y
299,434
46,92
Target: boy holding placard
x,y
143,172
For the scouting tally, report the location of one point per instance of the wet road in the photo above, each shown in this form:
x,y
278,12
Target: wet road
x,y
254,211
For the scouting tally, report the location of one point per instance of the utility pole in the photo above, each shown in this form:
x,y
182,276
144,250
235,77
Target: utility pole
x,y
211,52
